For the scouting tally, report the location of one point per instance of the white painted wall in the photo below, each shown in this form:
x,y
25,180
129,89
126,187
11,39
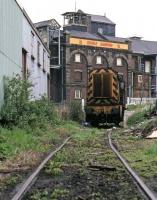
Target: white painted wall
x,y
38,77
10,41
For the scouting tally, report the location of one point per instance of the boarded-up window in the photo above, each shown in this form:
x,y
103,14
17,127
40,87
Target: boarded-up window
x,y
147,66
78,75
98,60
77,57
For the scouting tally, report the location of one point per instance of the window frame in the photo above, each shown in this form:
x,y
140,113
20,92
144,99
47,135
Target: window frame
x,y
79,94
97,60
147,66
117,61
140,78
77,60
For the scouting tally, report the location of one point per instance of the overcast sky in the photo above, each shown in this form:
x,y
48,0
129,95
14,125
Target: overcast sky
x,y
132,17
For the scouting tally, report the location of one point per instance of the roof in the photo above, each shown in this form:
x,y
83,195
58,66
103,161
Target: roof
x,y
144,47
114,39
81,34
101,19
52,22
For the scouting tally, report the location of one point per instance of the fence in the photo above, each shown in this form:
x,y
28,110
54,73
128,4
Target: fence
x,y
143,100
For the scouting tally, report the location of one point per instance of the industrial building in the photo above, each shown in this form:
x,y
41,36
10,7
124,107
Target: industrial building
x,y
22,50
10,41
35,59
90,40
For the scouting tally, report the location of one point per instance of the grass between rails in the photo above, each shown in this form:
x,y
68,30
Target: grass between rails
x,y
72,177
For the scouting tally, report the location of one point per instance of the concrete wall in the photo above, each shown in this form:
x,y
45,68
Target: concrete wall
x,y
10,40
38,73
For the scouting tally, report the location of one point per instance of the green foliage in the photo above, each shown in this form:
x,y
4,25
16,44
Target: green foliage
x,y
40,195
137,117
19,110
16,98
54,168
75,111
59,194
17,140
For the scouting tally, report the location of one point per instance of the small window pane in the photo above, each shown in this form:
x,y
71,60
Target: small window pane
x,y
98,60
119,62
140,79
147,66
77,94
77,58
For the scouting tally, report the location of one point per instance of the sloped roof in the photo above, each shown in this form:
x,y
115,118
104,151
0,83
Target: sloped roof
x,y
51,22
81,34
144,47
114,39
101,19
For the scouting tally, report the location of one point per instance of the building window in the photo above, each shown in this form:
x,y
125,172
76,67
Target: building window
x,y
77,57
98,60
100,30
44,52
77,94
140,79
119,61
38,53
32,43
78,75
24,64
147,66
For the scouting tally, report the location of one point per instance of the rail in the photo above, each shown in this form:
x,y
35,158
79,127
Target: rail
x,y
25,187
139,181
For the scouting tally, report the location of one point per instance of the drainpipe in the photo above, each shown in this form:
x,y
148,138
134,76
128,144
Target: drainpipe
x,y
156,75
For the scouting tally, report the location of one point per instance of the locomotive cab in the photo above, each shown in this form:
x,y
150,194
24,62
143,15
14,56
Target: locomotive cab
x,y
105,97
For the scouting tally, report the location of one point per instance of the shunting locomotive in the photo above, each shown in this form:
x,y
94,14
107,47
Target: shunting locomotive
x,y
105,96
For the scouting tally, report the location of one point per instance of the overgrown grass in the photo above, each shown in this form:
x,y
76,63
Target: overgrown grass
x,y
141,153
138,116
17,140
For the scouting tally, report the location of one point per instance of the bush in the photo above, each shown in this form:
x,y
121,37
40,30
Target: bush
x,y
19,110
75,111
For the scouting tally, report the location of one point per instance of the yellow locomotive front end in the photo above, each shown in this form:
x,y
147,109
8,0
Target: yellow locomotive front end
x,y
105,97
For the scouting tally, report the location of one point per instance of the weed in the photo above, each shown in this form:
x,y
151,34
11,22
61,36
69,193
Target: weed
x,y
54,168
59,193
40,195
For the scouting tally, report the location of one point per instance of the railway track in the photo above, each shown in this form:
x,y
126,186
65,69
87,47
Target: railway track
x,y
87,170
